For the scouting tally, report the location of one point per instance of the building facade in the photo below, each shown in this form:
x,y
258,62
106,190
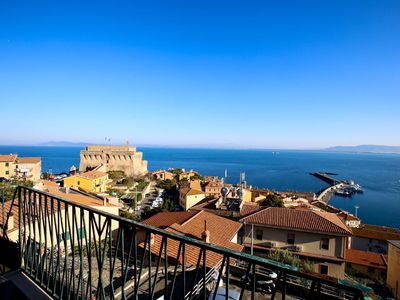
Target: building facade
x,y
92,181
162,175
12,166
113,158
318,237
189,197
373,238
366,264
393,268
213,189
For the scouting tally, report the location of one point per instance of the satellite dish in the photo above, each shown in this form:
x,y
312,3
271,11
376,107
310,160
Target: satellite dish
x,y
224,191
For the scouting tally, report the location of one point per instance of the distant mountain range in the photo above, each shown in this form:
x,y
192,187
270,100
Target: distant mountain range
x,y
354,149
366,149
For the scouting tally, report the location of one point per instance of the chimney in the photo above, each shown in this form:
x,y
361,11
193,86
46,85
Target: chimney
x,y
104,201
10,221
205,235
67,190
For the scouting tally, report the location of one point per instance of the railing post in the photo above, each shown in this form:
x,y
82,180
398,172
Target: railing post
x,y
2,217
19,225
54,218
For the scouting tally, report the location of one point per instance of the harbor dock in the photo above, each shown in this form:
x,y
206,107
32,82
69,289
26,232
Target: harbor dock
x,y
344,188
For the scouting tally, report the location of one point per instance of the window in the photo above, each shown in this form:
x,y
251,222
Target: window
x,y
259,234
7,172
7,164
370,270
79,182
325,243
290,238
323,269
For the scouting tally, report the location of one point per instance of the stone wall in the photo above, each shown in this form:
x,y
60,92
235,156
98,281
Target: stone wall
x,y
112,158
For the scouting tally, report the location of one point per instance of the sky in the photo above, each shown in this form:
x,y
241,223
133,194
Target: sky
x,y
252,74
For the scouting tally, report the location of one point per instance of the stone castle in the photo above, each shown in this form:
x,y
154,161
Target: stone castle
x,y
113,158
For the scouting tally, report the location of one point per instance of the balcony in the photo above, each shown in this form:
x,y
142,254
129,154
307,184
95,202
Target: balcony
x,y
59,249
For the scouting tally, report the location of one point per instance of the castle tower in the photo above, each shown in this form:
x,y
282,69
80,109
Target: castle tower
x,y
113,158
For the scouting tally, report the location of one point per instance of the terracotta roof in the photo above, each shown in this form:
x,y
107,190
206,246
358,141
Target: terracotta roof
x,y
249,208
187,191
28,160
166,219
8,158
195,184
161,172
49,183
76,198
214,184
364,258
79,198
376,232
205,203
306,220
14,209
93,174
221,230
7,206
194,192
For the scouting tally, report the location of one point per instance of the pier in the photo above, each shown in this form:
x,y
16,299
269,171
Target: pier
x,y
345,187
326,195
325,177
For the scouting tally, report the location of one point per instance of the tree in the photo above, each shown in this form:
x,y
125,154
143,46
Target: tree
x,y
273,200
148,212
177,171
168,184
168,205
116,175
9,187
128,215
196,177
46,176
289,258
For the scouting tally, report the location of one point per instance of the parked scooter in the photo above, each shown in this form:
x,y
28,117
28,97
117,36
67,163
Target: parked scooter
x,y
266,286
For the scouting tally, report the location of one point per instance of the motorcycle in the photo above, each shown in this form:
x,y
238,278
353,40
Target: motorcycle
x,y
266,286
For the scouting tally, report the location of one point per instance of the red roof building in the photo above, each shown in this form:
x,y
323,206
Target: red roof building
x,y
221,232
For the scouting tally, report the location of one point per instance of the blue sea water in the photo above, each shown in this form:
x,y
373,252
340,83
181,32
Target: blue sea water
x,y
379,174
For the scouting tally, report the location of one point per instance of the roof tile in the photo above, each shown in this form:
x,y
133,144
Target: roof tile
x,y
306,220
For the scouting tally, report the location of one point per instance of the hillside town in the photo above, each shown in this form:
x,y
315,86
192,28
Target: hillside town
x,y
291,228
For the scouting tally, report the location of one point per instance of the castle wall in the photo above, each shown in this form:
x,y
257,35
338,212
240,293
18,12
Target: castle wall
x,y
113,158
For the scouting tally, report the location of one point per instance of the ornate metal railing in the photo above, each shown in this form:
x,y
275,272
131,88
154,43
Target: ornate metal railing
x,y
74,251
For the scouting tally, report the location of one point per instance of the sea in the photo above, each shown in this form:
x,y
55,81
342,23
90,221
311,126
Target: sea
x,y
284,170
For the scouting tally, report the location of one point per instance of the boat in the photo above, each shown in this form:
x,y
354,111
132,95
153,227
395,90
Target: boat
x,y
343,193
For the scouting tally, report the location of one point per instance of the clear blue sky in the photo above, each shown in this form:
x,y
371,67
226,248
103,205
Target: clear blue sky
x,y
286,74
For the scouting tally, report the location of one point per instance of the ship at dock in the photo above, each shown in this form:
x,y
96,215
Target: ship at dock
x,y
342,188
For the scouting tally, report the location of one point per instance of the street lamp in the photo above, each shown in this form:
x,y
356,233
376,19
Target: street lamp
x,y
356,207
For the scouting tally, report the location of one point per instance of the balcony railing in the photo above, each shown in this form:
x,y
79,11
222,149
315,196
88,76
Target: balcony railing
x,y
74,251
